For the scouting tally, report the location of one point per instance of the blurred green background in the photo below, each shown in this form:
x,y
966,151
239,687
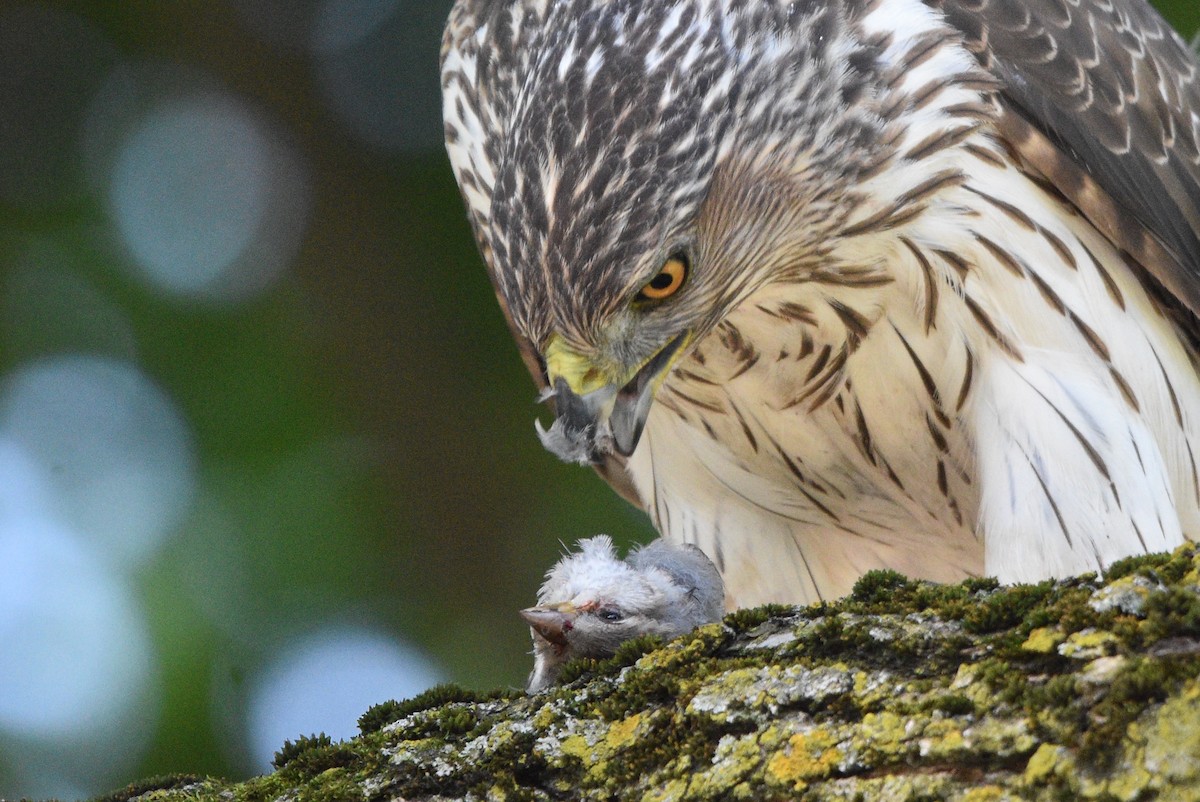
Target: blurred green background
x,y
266,449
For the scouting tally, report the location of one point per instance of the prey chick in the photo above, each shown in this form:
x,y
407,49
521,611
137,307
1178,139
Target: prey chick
x,y
592,601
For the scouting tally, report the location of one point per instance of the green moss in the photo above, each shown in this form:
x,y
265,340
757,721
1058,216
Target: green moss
x,y
1174,612
1006,608
881,587
332,785
379,716
309,757
162,782
1006,683
981,584
1167,568
952,704
748,618
645,692
1056,693
1141,682
835,636
626,655
888,592
293,749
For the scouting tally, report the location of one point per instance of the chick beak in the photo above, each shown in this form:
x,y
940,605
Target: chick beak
x,y
552,623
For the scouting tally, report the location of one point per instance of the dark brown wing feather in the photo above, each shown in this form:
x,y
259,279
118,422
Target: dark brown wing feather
x,y
1111,87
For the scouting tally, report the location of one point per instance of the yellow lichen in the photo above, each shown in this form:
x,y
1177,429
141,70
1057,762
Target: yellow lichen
x,y
964,677
1089,644
622,733
735,759
1043,640
669,791
1043,764
679,652
576,746
941,739
985,793
807,756
544,717
1172,746
884,732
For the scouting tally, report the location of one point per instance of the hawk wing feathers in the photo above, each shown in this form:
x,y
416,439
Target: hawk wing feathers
x,y
1116,92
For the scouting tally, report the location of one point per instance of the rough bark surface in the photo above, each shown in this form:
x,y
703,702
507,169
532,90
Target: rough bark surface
x,y
1082,689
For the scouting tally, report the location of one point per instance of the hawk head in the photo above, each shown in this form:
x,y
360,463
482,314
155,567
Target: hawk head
x,y
637,169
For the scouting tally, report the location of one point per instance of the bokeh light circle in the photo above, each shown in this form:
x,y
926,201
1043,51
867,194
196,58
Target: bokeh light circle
x,y
117,454
77,655
325,681
208,199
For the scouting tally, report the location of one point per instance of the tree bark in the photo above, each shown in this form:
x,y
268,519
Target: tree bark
x,y
1081,689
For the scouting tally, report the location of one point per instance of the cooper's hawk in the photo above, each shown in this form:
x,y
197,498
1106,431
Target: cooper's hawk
x,y
833,285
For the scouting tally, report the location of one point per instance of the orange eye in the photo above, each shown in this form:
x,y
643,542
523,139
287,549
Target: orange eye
x,y
668,281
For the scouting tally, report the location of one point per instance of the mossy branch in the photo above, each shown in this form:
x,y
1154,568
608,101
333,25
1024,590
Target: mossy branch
x,y
1082,689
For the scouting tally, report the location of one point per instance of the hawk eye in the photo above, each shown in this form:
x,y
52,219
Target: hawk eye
x,y
611,615
668,281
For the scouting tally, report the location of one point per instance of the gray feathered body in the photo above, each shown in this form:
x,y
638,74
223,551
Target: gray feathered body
x,y
943,268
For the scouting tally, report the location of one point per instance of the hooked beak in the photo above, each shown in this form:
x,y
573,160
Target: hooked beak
x,y
593,422
552,623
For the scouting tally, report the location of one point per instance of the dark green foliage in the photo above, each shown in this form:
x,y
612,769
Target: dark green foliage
x,y
889,592
379,716
982,584
1168,568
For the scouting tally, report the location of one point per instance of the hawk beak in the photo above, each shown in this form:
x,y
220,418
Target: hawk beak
x,y
628,416
606,418
552,623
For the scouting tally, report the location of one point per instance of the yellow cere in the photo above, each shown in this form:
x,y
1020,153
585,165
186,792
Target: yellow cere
x,y
583,377
579,373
